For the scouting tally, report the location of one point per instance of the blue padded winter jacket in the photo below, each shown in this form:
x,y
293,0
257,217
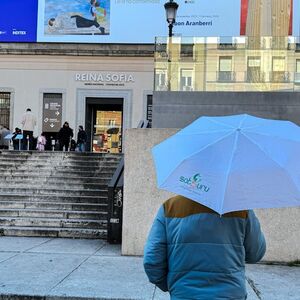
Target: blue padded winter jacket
x,y
194,253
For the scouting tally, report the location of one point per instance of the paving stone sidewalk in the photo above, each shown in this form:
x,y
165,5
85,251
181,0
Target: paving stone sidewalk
x,y
46,268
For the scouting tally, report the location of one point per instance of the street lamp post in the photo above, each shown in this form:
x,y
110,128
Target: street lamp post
x,y
171,10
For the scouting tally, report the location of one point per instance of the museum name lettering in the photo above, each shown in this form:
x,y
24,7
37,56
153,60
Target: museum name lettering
x,y
109,77
197,23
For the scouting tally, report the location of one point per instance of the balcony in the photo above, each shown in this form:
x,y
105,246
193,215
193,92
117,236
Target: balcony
x,y
226,76
252,77
280,77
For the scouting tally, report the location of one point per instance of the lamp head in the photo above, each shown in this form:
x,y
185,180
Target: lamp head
x,y
171,10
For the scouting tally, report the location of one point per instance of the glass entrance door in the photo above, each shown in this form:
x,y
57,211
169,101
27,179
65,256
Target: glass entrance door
x,y
107,131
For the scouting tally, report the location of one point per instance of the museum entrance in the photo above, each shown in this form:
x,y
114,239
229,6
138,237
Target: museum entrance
x,y
104,118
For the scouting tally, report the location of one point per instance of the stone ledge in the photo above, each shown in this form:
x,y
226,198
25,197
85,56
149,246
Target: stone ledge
x,y
130,50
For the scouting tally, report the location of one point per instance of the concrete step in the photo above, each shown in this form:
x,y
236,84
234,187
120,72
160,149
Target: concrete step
x,y
56,173
59,184
98,207
54,232
49,222
62,172
28,185
70,155
53,178
52,167
40,159
53,214
51,191
100,199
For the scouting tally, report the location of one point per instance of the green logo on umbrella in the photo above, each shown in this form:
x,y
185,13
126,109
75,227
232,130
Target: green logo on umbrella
x,y
194,182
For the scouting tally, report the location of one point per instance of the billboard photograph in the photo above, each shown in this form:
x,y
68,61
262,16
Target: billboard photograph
x,y
77,17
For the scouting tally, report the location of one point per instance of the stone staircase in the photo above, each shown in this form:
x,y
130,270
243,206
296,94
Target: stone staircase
x,y
55,194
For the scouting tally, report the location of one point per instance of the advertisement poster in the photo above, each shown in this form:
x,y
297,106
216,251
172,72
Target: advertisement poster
x,y
18,20
133,21
140,21
204,18
76,17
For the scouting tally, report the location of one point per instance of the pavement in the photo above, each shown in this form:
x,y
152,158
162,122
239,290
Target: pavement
x,y
56,269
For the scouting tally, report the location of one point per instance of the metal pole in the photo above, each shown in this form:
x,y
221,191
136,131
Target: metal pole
x,y
170,29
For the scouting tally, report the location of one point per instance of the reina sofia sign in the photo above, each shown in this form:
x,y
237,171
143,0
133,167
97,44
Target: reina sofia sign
x,y
108,77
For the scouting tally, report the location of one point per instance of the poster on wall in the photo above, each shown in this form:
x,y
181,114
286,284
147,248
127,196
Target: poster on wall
x,y
133,21
18,20
76,18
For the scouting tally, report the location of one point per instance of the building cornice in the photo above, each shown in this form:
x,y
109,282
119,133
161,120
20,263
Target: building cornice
x,y
114,50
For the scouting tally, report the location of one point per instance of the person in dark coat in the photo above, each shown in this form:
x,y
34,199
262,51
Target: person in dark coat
x,y
81,139
16,142
64,137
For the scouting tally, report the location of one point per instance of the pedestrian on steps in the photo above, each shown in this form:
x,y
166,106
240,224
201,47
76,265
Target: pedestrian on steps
x,y
41,142
64,137
81,139
28,123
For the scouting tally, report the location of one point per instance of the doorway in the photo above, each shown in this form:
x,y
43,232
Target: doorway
x,y
104,125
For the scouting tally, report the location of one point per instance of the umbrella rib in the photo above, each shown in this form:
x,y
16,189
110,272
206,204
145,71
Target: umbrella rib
x,y
276,162
231,160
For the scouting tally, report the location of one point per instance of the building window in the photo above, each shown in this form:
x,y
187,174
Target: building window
x,y
187,51
278,70
297,74
161,51
225,69
4,109
253,70
161,80
186,80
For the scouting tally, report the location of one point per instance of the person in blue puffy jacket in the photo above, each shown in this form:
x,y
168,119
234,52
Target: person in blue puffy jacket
x,y
194,253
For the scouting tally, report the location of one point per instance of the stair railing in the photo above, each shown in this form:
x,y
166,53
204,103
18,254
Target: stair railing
x,y
115,199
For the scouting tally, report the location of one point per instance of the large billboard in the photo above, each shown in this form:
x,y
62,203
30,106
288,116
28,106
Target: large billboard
x,y
140,21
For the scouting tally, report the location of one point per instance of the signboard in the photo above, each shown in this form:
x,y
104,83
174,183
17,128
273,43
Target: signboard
x,y
140,21
52,111
18,20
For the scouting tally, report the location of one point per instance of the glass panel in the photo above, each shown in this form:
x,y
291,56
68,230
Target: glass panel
x,y
225,64
186,79
298,65
107,136
254,62
278,64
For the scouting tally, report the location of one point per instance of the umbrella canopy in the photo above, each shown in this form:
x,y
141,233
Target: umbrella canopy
x,y
232,163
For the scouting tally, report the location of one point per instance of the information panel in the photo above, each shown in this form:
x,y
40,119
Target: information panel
x,y
18,20
52,112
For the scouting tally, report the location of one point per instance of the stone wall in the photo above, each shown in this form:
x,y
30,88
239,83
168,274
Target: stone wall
x,y
178,109
142,199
